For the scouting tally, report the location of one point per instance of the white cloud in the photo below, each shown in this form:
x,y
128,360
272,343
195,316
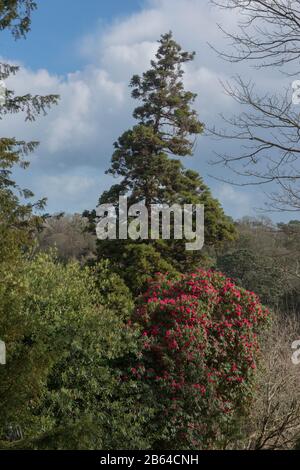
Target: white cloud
x,y
239,201
67,185
72,191
95,107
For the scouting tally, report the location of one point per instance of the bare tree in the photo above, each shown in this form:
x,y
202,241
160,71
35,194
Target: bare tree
x,y
68,235
268,127
268,32
274,421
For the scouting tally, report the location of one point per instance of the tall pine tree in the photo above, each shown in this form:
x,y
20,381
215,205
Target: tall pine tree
x,y
145,160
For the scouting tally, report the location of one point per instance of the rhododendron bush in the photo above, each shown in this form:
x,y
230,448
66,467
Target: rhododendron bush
x,y
199,353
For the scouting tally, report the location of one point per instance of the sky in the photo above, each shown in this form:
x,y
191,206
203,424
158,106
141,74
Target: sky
x,y
87,51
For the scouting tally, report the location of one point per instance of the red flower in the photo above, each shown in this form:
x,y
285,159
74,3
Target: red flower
x,y
199,343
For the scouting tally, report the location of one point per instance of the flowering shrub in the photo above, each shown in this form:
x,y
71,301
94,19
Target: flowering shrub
x,y
199,353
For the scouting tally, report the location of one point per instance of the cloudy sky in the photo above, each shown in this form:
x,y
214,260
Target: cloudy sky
x,y
87,51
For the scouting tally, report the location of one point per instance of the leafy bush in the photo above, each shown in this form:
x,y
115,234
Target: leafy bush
x,y
198,357
24,374
77,335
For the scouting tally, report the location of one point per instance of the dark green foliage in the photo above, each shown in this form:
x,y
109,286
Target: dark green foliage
x,y
265,259
255,272
15,16
144,159
143,261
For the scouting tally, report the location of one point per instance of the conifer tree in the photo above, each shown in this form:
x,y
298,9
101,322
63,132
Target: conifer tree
x,y
15,16
145,160
16,218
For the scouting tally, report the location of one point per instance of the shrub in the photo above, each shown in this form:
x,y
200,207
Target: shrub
x,y
199,353
77,336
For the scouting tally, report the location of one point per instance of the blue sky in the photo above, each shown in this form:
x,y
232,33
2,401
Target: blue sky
x,y
87,51
57,25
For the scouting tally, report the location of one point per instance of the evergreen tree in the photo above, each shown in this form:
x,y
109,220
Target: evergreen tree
x,y
17,219
15,16
145,160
